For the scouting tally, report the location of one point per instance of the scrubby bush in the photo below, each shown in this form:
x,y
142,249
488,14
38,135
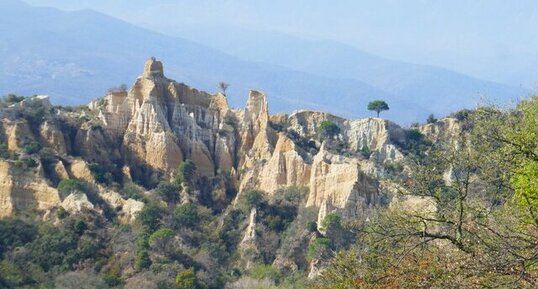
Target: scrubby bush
x,y
365,151
95,126
12,98
168,192
15,233
150,216
101,173
262,271
431,119
312,226
332,220
4,152
188,280
186,173
318,247
142,260
132,191
328,129
187,215
29,162
251,199
69,186
32,147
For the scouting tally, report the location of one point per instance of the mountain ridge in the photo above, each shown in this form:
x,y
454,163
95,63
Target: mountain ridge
x,y
78,58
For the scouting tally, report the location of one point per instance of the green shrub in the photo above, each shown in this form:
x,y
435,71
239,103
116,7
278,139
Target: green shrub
x,y
462,114
95,127
67,187
4,152
160,234
318,247
188,280
328,129
113,278
132,191
12,98
15,233
101,173
431,119
312,226
30,162
142,260
332,220
34,116
54,247
32,148
186,173
80,226
150,217
262,271
83,119
251,199
366,152
47,156
187,215
168,192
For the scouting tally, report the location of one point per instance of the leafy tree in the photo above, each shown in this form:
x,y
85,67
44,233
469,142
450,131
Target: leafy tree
x,y
378,106
328,129
251,199
186,173
150,217
187,215
160,234
188,280
160,240
332,220
32,147
223,86
15,233
168,192
318,248
431,118
142,260
132,191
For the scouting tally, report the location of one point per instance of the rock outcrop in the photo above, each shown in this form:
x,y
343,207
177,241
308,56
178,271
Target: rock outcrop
x,y
146,132
24,189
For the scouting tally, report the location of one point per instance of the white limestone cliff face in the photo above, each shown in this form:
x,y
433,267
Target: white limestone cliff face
x,y
376,135
248,246
446,129
24,189
160,122
151,128
52,136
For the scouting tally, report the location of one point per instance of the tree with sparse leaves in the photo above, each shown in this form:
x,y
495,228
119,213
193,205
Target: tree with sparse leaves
x,y
223,86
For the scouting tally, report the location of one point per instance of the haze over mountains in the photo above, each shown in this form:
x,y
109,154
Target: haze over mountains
x,y
77,56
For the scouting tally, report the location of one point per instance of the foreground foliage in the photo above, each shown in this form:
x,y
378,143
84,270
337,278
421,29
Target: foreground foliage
x,y
478,225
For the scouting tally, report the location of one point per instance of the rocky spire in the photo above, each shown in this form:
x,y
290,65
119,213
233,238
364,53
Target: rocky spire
x,y
153,68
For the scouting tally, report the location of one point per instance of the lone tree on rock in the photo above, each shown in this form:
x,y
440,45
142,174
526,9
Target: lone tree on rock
x,y
378,106
223,87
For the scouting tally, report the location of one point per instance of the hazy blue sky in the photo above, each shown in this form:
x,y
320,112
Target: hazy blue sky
x,y
493,39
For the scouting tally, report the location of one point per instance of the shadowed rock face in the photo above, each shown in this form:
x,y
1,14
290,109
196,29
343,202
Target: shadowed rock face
x,y
149,130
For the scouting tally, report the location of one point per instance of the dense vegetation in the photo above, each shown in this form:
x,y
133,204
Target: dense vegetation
x,y
481,230
473,223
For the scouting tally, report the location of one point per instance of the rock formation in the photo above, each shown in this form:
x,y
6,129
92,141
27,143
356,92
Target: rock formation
x,y
145,133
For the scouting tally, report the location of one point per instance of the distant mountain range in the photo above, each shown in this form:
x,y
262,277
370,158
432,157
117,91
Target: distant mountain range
x,y
76,56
